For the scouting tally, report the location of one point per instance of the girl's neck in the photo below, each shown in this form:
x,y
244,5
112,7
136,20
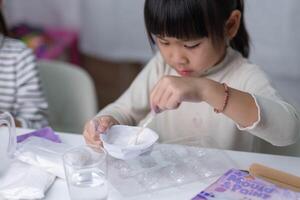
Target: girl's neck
x,y
222,57
219,64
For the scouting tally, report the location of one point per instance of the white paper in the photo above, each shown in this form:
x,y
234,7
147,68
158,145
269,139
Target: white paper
x,y
116,140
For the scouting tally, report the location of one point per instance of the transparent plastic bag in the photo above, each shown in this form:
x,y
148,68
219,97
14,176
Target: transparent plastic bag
x,y
23,181
42,153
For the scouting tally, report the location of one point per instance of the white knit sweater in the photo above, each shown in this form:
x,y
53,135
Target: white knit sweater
x,y
278,122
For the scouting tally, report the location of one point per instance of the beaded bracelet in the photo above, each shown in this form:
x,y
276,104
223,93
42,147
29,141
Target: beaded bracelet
x,y
225,99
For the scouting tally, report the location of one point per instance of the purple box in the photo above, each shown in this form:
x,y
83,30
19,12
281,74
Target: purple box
x,y
46,133
240,185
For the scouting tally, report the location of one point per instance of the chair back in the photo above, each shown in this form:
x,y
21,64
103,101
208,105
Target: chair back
x,y
70,93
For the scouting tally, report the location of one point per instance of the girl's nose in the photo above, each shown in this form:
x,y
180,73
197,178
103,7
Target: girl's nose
x,y
178,58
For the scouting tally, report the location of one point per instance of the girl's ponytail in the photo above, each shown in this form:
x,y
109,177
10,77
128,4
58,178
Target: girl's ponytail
x,y
241,41
3,28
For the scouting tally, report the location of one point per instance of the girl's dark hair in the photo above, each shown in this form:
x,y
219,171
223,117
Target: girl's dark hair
x,y
193,19
3,28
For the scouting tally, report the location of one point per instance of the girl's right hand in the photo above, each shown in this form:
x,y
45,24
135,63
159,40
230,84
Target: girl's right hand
x,y
95,127
170,91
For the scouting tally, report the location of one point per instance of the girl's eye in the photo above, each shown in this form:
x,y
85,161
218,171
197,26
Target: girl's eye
x,y
191,46
163,42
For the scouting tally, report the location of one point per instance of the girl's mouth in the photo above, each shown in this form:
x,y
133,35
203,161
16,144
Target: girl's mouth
x,y
184,72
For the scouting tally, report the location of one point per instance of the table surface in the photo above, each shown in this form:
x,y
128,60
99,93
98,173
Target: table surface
x,y
242,159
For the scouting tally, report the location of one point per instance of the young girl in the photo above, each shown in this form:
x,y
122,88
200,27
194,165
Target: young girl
x,y
20,91
202,77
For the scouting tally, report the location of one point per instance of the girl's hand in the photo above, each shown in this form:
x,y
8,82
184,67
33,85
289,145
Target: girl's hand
x,y
170,91
97,126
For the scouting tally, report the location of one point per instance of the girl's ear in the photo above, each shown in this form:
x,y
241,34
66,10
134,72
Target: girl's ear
x,y
233,24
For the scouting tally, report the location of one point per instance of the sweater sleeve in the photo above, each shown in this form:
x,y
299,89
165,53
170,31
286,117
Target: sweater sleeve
x,y
278,121
31,106
134,103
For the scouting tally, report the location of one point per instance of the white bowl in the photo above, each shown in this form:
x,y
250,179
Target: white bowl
x,y
116,141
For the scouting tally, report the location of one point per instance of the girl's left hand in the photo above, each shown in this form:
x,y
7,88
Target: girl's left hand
x,y
170,91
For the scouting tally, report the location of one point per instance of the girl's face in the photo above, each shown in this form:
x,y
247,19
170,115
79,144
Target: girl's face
x,y
190,57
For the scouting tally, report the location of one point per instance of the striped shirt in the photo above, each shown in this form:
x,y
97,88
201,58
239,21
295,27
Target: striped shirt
x,y
20,89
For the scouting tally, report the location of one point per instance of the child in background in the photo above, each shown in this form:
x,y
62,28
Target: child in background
x,y
201,75
20,90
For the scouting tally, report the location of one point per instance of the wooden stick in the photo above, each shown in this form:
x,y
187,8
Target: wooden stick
x,y
279,178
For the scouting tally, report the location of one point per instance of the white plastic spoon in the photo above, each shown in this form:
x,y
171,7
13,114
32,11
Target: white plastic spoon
x,y
134,140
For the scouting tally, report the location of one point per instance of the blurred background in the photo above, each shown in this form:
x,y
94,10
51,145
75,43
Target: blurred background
x,y
104,37
107,39
112,44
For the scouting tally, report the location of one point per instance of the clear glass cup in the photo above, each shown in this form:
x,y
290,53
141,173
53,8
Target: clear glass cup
x,y
8,145
6,119
86,172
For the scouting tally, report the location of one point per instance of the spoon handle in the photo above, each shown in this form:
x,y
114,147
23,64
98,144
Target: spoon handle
x,y
145,124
